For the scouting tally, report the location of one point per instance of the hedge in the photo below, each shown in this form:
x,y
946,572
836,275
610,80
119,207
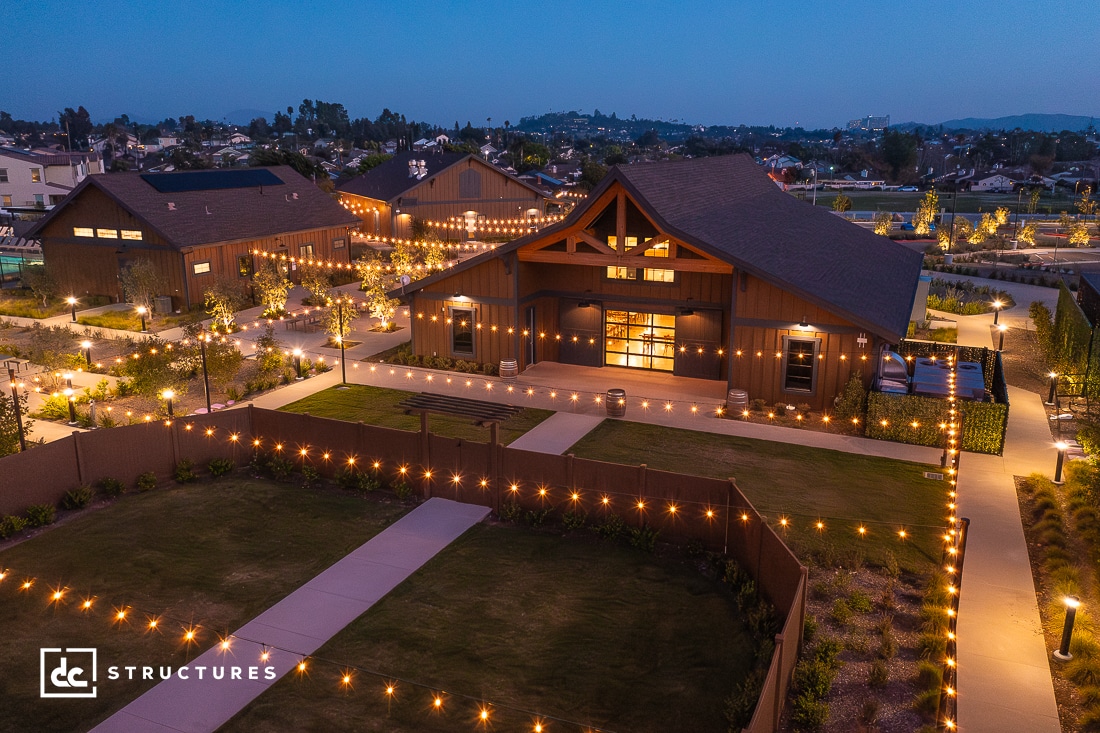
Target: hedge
x,y
983,422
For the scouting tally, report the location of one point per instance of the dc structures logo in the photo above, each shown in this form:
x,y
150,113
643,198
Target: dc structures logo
x,y
69,672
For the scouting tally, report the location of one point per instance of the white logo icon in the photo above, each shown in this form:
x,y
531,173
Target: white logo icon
x,y
69,672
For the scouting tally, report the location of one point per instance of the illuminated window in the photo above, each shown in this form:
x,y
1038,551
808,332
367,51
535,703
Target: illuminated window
x,y
659,276
132,234
641,340
800,364
613,242
657,250
621,273
107,233
244,265
36,175
201,268
305,250
338,243
83,232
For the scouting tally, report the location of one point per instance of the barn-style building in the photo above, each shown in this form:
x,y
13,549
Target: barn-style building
x,y
194,225
453,188
699,268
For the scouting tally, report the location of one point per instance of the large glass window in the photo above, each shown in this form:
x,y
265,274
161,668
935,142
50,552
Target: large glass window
x,y
132,234
621,273
305,250
201,268
640,340
800,364
107,233
658,250
244,265
36,175
83,232
462,331
660,276
3,175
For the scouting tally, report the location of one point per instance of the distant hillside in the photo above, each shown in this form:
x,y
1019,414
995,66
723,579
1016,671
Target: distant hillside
x,y
1037,122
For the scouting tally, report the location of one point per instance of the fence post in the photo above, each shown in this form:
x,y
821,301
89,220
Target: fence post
x,y
79,458
805,583
570,476
778,704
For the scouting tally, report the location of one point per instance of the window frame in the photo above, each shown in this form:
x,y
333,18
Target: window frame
x,y
3,175
128,235
84,232
105,233
815,343
36,175
195,265
246,270
305,250
339,243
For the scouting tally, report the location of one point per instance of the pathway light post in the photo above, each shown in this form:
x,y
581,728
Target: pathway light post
x,y
1062,652
1053,387
142,310
997,305
297,363
72,306
168,395
70,397
1001,344
18,412
203,338
87,346
1062,447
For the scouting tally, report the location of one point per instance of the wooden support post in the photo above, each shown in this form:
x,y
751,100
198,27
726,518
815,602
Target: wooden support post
x,y
425,453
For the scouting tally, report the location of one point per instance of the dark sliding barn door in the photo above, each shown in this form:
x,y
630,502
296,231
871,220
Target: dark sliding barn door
x,y
581,329
698,338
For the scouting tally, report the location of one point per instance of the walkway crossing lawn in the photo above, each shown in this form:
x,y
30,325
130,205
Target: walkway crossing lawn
x,y
804,485
378,406
214,554
573,627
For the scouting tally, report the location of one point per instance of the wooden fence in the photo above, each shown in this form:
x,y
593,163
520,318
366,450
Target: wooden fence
x,y
721,517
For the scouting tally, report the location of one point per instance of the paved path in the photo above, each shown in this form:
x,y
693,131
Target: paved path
x,y
297,625
557,433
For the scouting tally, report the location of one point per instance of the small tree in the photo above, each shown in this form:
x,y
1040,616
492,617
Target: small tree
x,y
371,270
337,319
152,368
317,283
404,258
381,305
883,222
435,256
1084,202
269,351
1077,232
271,287
1001,215
1033,200
1027,233
987,225
9,428
41,282
141,281
223,299
842,203
926,213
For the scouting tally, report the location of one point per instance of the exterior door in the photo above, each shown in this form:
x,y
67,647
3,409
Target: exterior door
x,y
698,338
580,323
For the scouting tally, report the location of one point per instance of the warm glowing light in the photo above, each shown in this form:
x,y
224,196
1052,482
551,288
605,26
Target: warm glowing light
x,y
1072,602
605,501
438,702
225,644
710,514
820,525
862,531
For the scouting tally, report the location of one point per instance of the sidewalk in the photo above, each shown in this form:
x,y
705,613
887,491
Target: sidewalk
x,y
296,626
556,433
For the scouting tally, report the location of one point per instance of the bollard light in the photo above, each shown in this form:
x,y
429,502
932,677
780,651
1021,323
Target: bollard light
x,y
997,305
87,346
1001,345
1061,460
70,397
1062,652
168,395
142,310
298,363
1053,387
72,306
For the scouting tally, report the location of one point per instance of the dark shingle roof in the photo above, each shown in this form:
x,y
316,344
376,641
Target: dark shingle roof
x,y
728,207
208,216
391,179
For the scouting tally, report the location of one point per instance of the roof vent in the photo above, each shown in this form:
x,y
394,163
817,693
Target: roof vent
x,y
208,211
422,170
171,206
412,169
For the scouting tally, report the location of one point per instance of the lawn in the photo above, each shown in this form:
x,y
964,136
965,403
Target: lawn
x,y
26,307
378,406
843,490
215,554
570,627
128,320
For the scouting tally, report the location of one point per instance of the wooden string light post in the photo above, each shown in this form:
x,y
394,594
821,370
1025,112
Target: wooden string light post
x,y
18,412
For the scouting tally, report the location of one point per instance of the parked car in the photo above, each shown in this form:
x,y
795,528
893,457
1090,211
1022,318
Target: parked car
x,y
908,189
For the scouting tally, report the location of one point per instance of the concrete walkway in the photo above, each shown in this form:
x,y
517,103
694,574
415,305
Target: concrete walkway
x,y
557,433
296,626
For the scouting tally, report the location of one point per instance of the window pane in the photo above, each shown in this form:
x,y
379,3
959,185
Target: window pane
x,y
800,366
462,331
305,250
200,268
83,232
244,265
107,233
3,175
657,250
660,276
133,234
621,273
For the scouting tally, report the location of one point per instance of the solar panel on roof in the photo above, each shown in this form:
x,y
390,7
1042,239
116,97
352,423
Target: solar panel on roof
x,y
211,180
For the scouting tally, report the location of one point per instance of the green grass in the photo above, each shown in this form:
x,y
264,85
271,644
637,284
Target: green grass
x,y
378,406
29,307
803,484
591,632
215,553
128,320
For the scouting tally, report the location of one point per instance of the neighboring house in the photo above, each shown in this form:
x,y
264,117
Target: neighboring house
x,y
488,151
39,179
698,268
459,187
195,225
997,182
422,143
389,147
115,142
781,161
541,180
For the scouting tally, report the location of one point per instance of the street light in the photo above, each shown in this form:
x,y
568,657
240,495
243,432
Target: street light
x,y
1062,652
997,305
168,395
1001,345
87,346
71,399
72,306
1053,387
142,310
298,363
1062,447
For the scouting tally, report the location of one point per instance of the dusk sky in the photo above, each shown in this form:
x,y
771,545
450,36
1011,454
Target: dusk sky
x,y
817,64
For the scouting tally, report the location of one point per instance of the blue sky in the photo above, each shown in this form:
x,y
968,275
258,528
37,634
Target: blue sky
x,y
754,62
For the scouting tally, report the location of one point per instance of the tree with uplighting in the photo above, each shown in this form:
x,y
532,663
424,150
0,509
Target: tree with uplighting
x,y
926,213
883,222
141,281
337,319
41,282
272,287
317,283
1027,233
9,429
842,203
222,300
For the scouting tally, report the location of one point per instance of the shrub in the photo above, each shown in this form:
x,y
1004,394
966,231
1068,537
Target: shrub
x,y
77,498
279,467
888,649
809,714
809,629
348,477
39,515
511,512
611,527
366,483
644,537
853,400
110,487
828,651
184,472
878,675
146,481
859,602
813,677
403,491
841,613
574,520
741,703
536,517
220,466
11,525
311,477
869,712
